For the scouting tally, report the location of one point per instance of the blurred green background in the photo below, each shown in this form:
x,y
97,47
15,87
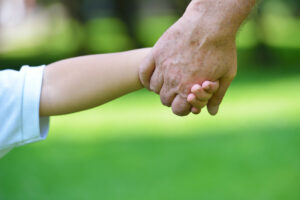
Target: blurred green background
x,y
136,149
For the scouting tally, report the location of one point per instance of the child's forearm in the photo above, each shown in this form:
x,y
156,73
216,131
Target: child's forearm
x,y
85,82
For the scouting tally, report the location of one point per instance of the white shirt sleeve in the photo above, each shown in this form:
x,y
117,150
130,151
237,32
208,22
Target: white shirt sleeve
x,y
20,93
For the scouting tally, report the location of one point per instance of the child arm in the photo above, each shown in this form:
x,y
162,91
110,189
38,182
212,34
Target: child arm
x,y
85,82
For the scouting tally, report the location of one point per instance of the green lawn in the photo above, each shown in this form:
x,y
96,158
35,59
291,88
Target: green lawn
x,y
135,149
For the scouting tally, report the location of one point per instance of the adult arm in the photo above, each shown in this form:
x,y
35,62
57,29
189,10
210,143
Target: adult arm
x,y
84,82
199,46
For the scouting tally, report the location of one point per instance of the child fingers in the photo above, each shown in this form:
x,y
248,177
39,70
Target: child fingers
x,y
192,99
196,111
211,87
199,104
200,93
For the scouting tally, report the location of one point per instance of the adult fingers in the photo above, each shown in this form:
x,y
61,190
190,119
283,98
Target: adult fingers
x,y
196,111
215,101
146,70
167,96
156,82
180,106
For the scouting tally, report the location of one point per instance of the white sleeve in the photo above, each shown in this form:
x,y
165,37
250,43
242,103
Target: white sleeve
x,y
20,123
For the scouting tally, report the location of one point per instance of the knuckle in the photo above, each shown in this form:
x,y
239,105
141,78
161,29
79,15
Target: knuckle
x,y
154,89
180,110
165,100
203,104
144,83
231,75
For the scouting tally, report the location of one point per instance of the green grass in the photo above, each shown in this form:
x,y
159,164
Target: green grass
x,y
135,149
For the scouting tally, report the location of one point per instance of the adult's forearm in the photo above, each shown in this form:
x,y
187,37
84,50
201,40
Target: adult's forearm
x,y
84,82
220,17
199,46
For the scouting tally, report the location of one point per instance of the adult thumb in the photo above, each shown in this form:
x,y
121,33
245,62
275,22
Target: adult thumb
x,y
214,103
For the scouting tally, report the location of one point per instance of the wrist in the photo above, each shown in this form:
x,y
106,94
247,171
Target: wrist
x,y
220,18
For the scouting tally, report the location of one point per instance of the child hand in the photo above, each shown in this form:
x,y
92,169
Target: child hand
x,y
200,95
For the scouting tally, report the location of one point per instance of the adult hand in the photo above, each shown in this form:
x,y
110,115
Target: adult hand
x,y
186,54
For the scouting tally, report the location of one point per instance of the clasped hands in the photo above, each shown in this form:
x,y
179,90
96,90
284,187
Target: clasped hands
x,y
191,66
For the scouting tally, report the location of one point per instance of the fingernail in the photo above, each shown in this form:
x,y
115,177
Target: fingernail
x,y
198,87
196,111
207,88
206,84
190,98
195,88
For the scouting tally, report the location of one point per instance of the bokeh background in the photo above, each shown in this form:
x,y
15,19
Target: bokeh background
x,y
136,149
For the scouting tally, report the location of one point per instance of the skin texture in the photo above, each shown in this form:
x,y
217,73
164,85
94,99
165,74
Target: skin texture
x,y
85,82
201,94
200,46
